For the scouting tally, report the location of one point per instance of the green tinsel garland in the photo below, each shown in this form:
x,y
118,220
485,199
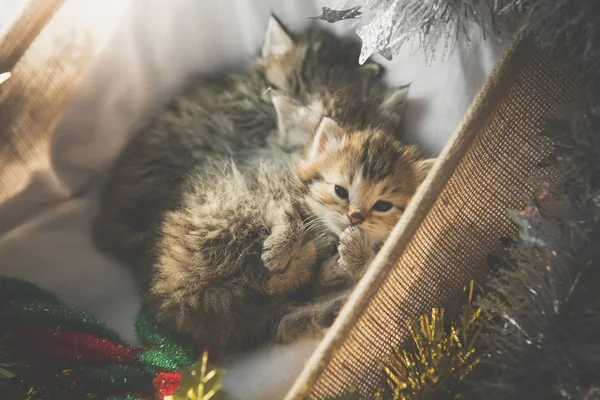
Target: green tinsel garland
x,y
49,350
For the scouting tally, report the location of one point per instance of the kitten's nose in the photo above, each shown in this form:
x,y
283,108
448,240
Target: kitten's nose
x,y
356,218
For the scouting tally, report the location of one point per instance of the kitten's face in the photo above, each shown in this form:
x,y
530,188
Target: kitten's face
x,y
363,178
293,65
317,73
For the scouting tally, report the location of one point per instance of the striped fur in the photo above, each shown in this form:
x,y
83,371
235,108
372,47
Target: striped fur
x,y
204,205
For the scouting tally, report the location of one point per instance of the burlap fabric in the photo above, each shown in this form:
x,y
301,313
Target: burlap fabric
x,y
454,222
47,49
27,115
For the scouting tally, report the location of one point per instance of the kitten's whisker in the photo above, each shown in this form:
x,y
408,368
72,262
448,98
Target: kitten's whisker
x,y
314,225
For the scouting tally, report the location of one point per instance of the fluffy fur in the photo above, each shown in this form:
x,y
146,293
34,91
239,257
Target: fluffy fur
x,y
230,115
221,242
236,260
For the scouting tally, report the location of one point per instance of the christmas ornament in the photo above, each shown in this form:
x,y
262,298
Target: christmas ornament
x,y
542,313
202,382
387,25
49,350
330,15
439,359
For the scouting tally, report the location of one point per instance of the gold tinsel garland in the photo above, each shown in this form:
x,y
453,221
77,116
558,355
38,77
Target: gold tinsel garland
x,y
437,362
440,357
202,382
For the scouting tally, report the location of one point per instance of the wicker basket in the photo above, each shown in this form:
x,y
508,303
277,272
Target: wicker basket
x,y
455,220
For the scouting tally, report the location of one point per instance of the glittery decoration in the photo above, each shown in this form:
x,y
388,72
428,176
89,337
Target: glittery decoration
x,y
159,359
73,355
7,367
166,352
78,346
440,359
50,314
166,383
330,15
376,35
387,25
530,221
202,382
5,372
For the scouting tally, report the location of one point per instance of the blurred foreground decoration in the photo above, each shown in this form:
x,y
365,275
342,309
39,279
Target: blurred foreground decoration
x,y
49,350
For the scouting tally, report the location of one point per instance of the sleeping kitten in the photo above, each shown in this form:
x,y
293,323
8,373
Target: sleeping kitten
x,y
230,116
357,186
242,249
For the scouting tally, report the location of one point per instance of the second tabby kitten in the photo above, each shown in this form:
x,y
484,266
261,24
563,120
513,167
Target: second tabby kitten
x,y
243,248
228,115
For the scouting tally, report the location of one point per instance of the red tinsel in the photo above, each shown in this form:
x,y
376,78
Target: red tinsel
x,y
166,383
79,346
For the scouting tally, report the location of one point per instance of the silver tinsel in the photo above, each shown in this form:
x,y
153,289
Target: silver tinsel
x,y
330,15
387,25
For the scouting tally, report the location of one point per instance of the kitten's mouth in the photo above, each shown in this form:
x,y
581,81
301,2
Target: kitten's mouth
x,y
341,227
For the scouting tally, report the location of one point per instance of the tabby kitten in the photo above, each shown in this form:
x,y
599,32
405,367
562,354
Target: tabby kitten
x,y
231,115
356,185
234,260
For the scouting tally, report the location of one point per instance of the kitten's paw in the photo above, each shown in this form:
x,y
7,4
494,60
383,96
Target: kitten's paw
x,y
312,319
354,243
275,260
298,273
294,326
279,248
355,250
329,275
298,325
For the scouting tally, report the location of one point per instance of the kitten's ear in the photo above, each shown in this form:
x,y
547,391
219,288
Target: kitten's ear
x,y
328,135
422,169
277,40
395,102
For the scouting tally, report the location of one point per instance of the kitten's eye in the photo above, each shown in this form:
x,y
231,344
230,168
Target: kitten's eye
x,y
382,206
341,192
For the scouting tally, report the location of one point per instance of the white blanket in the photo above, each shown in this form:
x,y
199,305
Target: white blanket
x,y
44,229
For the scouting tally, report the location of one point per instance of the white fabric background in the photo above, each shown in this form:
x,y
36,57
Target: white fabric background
x,y
44,229
9,9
